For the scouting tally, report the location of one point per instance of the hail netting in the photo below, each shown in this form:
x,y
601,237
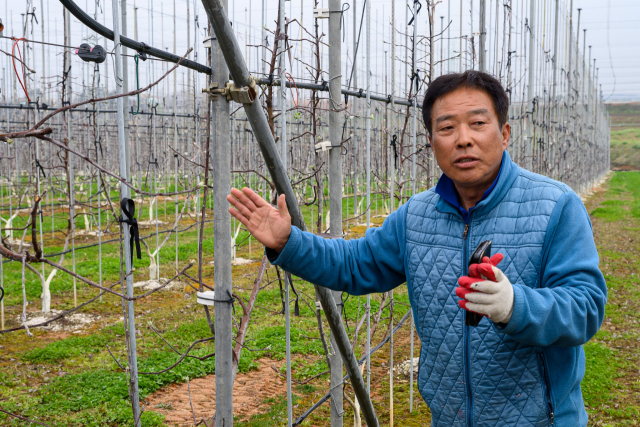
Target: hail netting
x,y
538,50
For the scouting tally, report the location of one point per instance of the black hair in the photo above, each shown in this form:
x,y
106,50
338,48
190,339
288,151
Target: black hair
x,y
471,79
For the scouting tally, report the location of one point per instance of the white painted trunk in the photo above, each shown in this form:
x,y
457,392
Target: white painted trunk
x,y
360,205
357,421
153,268
87,225
233,240
46,293
9,224
153,201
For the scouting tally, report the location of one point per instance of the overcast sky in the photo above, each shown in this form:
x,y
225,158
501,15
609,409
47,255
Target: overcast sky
x,y
613,31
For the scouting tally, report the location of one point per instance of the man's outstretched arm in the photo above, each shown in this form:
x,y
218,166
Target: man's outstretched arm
x,y
374,263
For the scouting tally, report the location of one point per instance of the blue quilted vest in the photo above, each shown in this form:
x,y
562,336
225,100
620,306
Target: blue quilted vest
x,y
478,376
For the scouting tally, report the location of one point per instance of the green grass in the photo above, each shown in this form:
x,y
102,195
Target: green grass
x,y
277,413
631,108
94,390
622,199
599,379
611,384
67,348
625,147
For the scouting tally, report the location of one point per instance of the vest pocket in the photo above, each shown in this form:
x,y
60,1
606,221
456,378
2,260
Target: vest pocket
x,y
546,385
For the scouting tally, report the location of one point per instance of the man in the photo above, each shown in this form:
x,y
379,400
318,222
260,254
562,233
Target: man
x,y
542,293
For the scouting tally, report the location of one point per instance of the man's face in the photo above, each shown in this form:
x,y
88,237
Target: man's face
x,y
466,137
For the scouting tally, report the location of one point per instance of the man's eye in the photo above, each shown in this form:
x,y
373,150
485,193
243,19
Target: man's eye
x,y
479,123
447,128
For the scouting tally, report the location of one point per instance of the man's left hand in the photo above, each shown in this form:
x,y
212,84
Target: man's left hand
x,y
489,293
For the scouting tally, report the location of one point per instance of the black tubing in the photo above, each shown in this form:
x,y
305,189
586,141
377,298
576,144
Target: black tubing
x,y
127,42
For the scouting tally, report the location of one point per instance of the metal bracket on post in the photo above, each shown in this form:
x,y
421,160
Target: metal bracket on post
x,y
214,91
320,13
241,95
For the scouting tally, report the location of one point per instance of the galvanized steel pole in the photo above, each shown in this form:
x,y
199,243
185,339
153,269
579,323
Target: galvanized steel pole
x,y
531,84
413,171
335,188
282,101
125,81
482,56
221,144
368,167
555,53
125,192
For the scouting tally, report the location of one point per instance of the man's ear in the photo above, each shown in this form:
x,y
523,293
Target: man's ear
x,y
506,135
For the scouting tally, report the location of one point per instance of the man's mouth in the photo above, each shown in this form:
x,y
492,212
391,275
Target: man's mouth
x,y
466,162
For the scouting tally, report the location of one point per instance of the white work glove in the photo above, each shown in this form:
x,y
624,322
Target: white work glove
x,y
487,290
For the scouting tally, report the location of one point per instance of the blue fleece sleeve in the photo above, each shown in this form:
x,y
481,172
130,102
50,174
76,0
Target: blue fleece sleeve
x,y
374,263
568,307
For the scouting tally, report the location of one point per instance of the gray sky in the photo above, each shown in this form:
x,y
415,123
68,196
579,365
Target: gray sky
x,y
613,31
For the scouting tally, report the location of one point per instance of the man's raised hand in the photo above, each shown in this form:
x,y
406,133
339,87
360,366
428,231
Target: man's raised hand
x,y
270,226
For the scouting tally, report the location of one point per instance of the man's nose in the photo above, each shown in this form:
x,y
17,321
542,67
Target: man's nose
x,y
464,137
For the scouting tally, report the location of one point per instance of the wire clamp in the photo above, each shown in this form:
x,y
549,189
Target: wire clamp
x,y
208,298
323,146
242,95
321,13
214,91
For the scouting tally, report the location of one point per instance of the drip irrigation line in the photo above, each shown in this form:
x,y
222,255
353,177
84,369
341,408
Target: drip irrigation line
x,y
72,48
327,396
360,93
127,42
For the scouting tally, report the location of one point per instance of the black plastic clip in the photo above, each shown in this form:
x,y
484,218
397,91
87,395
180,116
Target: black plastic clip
x,y
394,141
39,166
98,143
296,307
417,11
128,208
231,301
416,77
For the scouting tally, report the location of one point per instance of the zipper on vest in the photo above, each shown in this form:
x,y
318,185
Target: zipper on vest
x,y
547,386
467,345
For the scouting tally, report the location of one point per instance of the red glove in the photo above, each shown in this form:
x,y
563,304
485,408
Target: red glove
x,y
477,273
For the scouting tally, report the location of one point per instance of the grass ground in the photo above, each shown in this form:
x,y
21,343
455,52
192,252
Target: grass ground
x,y
625,136
612,383
70,379
625,148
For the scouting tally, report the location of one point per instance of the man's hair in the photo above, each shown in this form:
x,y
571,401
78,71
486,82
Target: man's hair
x,y
470,79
